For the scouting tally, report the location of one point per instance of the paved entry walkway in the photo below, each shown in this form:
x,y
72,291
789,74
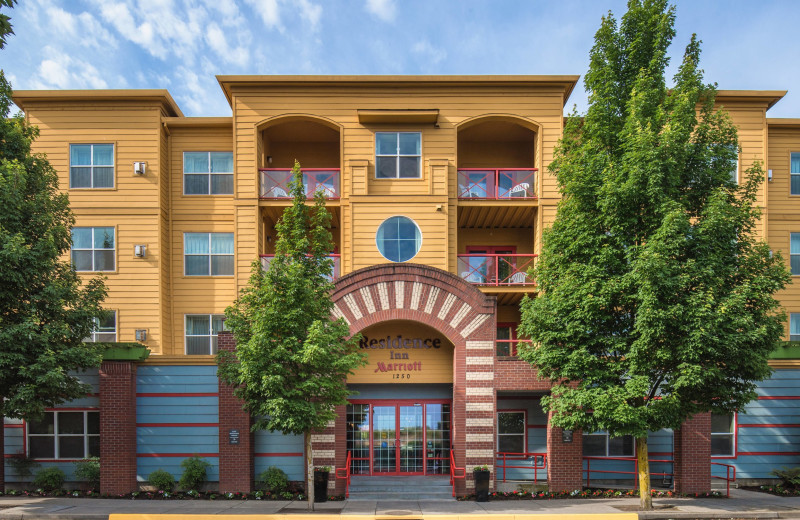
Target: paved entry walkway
x,y
742,504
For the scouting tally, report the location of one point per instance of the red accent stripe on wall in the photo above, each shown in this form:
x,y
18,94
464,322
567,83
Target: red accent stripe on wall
x,y
769,425
777,397
278,454
178,394
13,425
661,453
177,455
768,453
543,426
175,425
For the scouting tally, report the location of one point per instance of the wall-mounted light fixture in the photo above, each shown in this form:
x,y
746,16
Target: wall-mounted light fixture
x,y
269,159
141,334
140,250
769,175
139,168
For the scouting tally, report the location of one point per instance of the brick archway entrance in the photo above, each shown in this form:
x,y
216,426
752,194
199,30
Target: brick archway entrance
x,y
456,309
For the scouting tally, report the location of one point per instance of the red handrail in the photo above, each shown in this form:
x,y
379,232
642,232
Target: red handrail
x,y
274,182
635,471
453,470
526,456
727,478
346,476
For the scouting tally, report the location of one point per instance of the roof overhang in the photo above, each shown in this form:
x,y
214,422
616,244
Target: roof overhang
x,y
769,97
25,97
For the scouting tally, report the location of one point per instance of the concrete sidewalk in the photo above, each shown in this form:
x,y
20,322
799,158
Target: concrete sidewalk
x,y
742,504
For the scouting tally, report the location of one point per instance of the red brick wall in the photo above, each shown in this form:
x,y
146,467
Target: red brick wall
x,y
117,427
564,460
516,375
692,452
2,453
235,460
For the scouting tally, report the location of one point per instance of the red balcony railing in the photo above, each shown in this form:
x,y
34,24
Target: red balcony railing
x,y
266,259
496,269
275,182
507,183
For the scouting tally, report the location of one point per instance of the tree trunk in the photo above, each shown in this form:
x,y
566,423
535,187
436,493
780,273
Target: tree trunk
x,y
646,500
309,473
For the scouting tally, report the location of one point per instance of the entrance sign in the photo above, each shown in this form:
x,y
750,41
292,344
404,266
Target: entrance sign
x,y
404,352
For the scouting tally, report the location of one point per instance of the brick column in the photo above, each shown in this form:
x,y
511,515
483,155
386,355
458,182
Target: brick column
x,y
340,440
117,427
692,455
564,460
2,453
235,460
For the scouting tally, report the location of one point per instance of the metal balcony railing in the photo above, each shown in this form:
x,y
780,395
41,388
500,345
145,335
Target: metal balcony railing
x,y
496,269
497,184
266,259
274,182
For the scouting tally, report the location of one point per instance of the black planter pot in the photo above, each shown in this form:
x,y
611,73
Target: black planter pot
x,y
481,486
321,486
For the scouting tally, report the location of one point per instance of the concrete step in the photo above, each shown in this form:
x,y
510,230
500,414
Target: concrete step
x,y
401,488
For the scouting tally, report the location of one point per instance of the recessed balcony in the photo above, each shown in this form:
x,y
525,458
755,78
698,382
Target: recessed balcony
x,y
335,273
496,184
496,270
274,183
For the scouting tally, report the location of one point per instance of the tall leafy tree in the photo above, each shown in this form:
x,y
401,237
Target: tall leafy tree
x,y
656,295
292,359
45,310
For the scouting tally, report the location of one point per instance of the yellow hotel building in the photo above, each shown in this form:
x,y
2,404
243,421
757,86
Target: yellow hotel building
x,y
438,188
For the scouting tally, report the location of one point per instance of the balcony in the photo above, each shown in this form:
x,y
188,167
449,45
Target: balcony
x,y
497,184
266,259
275,183
497,270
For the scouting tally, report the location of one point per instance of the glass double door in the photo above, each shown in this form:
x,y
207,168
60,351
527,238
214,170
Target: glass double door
x,y
404,439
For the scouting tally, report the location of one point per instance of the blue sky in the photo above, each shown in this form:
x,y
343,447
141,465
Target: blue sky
x,y
181,45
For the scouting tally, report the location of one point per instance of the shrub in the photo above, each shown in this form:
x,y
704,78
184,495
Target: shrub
x,y
89,470
273,479
23,466
49,479
162,480
194,472
790,477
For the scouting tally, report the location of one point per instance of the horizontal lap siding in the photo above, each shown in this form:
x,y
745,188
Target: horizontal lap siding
x,y
277,449
763,449
184,400
782,142
14,444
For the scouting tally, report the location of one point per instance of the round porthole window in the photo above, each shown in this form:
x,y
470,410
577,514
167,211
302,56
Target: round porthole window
x,y
399,239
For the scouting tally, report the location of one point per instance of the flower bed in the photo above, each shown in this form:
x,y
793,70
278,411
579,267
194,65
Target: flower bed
x,y
777,490
162,495
590,493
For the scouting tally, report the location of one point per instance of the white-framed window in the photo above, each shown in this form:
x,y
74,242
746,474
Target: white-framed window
x,y
398,239
723,435
398,155
207,173
794,326
71,435
105,329
91,165
511,431
93,249
208,254
601,444
794,172
201,333
794,253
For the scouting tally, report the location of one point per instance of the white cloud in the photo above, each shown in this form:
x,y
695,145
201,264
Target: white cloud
x,y
310,12
383,9
432,54
64,72
83,29
268,11
215,37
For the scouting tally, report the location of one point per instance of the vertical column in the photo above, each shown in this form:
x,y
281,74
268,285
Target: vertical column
x,y
235,439
3,453
692,455
564,459
117,427
340,441
323,448
474,400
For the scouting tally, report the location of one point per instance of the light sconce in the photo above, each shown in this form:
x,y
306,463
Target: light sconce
x,y
769,175
141,334
140,250
269,159
139,168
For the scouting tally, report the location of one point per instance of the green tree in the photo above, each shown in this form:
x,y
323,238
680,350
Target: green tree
x,y
656,297
45,311
292,359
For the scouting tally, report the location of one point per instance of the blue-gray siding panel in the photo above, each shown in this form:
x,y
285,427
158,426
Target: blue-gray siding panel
x,y
147,465
275,442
